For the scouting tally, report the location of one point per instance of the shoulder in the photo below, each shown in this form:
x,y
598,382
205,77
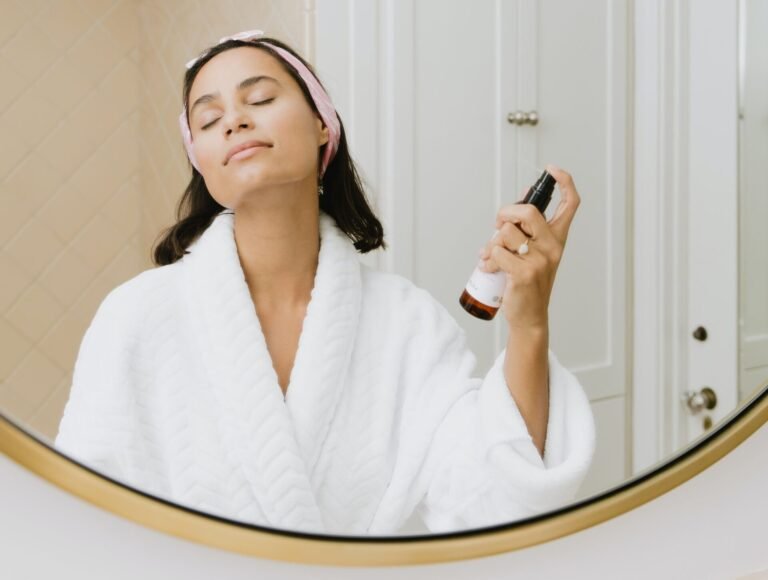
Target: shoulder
x,y
127,303
145,285
402,299
393,287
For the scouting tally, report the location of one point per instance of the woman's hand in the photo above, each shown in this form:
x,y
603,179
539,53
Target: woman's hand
x,y
530,276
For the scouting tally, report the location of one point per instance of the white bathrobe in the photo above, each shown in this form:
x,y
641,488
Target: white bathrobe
x,y
174,393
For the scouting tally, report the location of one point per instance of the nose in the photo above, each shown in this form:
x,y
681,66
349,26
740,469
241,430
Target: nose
x,y
237,119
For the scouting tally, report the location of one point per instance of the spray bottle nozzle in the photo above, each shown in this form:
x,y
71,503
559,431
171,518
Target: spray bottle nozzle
x,y
540,193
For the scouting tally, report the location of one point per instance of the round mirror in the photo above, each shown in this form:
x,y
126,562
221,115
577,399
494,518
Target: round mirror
x,y
266,366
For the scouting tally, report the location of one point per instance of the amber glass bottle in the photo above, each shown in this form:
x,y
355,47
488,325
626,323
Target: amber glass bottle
x,y
483,292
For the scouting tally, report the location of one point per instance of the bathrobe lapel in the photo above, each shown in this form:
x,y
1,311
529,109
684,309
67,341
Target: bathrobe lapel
x,y
275,441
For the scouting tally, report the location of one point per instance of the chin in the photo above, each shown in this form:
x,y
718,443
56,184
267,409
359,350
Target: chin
x,y
252,174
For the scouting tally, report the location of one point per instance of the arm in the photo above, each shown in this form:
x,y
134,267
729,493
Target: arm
x,y
530,278
526,373
520,441
97,423
477,461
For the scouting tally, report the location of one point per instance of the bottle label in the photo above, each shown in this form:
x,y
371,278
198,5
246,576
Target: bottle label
x,y
487,287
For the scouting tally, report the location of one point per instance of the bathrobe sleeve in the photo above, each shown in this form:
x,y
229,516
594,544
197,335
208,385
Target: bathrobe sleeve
x,y
481,467
97,426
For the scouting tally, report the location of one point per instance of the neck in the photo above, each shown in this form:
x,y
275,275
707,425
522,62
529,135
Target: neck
x,y
278,249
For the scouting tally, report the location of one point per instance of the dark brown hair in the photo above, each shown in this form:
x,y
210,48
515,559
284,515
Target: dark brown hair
x,y
343,193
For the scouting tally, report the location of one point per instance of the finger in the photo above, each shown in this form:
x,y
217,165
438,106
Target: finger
x,y
502,259
524,215
569,203
510,236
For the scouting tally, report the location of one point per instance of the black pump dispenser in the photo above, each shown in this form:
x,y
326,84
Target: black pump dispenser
x,y
540,193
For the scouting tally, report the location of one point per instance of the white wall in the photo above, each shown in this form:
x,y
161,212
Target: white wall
x,y
712,526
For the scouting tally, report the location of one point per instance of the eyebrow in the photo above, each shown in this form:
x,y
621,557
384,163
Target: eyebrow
x,y
244,84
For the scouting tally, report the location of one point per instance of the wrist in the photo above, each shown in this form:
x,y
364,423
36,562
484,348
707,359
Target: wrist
x,y
529,329
528,337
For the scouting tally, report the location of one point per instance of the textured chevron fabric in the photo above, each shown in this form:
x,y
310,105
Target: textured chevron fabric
x,y
174,393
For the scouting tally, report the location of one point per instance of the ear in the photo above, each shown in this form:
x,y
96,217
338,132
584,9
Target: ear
x,y
325,135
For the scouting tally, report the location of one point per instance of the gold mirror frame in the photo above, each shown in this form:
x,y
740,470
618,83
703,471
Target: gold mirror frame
x,y
189,524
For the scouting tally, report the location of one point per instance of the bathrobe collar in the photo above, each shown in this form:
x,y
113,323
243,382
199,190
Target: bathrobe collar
x,y
269,436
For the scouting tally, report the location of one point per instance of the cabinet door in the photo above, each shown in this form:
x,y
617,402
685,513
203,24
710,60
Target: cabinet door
x,y
573,71
575,76
753,199
446,158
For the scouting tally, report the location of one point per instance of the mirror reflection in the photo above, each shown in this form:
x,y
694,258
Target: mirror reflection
x,y
232,270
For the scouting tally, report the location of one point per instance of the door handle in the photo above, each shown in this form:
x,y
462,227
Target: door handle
x,y
698,400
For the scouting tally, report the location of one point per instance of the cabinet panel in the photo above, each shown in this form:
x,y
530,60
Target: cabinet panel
x,y
609,467
449,72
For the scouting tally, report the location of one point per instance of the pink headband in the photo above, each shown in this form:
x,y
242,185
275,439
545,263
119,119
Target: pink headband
x,y
319,96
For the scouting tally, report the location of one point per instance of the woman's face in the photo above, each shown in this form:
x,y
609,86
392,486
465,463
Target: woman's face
x,y
228,107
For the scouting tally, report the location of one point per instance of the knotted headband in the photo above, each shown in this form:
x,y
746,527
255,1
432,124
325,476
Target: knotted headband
x,y
319,96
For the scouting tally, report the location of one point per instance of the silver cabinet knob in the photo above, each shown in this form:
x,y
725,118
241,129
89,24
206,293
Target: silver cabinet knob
x,y
523,118
703,399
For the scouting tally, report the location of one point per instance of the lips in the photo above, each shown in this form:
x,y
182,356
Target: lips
x,y
242,147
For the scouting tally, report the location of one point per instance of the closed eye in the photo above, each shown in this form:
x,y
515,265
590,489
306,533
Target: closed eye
x,y
254,104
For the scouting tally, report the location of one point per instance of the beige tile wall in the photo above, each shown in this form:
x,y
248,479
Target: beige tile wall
x,y
92,164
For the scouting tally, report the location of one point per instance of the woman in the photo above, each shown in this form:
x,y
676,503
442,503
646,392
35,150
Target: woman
x,y
263,373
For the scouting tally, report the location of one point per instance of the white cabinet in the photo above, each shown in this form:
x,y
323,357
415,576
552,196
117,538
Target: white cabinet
x,y
424,89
